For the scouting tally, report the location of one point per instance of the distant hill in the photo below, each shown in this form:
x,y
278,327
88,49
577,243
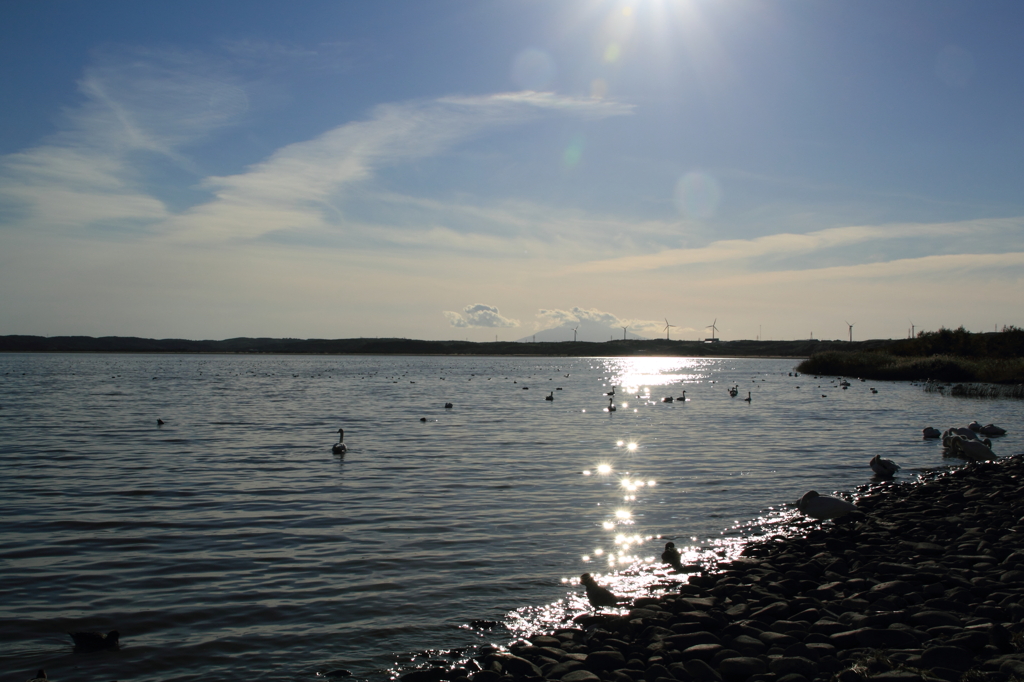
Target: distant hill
x,y
390,346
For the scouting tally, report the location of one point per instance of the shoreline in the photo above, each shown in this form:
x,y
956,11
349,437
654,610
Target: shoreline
x,y
926,584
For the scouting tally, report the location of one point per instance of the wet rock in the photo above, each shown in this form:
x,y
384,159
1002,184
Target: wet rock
x,y
606,659
793,664
699,670
950,657
742,667
578,676
515,665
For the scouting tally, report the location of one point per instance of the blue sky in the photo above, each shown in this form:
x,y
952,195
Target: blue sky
x,y
494,169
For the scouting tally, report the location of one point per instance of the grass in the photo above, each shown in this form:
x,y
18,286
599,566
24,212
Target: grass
x,y
886,367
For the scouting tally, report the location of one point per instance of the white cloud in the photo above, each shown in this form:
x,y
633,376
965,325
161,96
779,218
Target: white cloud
x,y
479,315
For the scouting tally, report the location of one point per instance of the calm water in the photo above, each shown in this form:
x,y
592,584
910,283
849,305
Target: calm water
x,y
230,543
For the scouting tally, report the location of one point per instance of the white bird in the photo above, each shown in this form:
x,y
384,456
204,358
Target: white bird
x,y
339,448
973,450
823,507
886,468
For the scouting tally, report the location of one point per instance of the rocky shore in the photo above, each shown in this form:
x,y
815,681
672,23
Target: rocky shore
x,y
927,583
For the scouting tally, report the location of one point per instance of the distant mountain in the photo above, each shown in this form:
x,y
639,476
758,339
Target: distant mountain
x,y
593,332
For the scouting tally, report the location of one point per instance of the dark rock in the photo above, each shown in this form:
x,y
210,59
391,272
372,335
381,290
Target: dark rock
x,y
930,619
699,670
563,668
951,657
793,664
741,668
515,665
777,639
875,638
606,659
655,672
578,676
775,611
749,646
704,652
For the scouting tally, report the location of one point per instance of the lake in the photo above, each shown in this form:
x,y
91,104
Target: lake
x,y
230,543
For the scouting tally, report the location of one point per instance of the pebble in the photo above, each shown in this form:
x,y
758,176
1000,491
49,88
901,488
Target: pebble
x,y
927,585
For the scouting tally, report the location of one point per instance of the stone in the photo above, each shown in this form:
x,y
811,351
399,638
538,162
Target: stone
x,y
950,657
704,652
656,671
579,676
608,659
699,670
930,619
518,666
563,668
793,664
748,645
742,667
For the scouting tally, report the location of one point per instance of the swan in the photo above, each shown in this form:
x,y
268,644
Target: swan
x,y
992,430
823,507
550,396
734,392
931,432
973,450
599,596
611,405
668,399
339,448
885,468
447,406
747,399
40,677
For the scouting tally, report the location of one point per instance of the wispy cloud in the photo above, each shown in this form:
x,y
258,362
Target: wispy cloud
x,y
787,244
299,185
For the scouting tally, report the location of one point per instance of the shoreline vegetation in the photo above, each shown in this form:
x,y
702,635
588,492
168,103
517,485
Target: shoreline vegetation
x,y
943,356
925,583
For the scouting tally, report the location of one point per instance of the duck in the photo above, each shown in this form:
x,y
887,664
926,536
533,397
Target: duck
x,y
95,641
671,556
339,448
599,596
884,468
550,396
823,507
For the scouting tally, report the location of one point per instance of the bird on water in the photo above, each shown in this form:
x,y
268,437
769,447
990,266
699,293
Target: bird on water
x,y
599,596
40,676
340,448
95,641
671,556
885,468
550,396
824,507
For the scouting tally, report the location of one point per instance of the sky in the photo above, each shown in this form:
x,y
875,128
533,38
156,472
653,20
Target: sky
x,y
497,169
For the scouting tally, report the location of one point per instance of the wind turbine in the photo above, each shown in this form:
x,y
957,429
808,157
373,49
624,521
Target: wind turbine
x,y
667,328
851,330
713,328
624,332
574,333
